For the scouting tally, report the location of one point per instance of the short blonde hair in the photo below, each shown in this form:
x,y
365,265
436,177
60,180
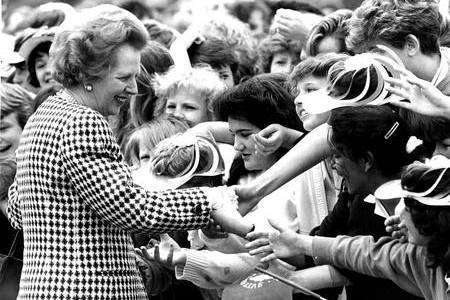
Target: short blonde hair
x,y
199,79
82,52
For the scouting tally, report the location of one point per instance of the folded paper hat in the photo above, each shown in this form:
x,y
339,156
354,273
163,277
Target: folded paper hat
x,y
146,177
40,36
359,80
393,189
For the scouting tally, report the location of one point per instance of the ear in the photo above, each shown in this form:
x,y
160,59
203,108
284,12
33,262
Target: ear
x,y
367,161
412,45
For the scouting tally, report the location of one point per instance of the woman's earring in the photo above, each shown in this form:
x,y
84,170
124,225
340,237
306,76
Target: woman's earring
x,y
88,87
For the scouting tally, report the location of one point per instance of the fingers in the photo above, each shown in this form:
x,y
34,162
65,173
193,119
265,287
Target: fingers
x,y
262,249
399,92
257,243
256,235
268,258
393,220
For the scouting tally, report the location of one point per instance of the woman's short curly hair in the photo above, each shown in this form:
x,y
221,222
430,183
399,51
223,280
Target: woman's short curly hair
x,y
333,25
199,79
82,53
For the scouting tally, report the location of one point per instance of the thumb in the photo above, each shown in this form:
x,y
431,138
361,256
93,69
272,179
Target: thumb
x,y
164,237
277,225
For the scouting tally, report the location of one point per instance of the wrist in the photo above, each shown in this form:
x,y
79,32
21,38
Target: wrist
x,y
304,244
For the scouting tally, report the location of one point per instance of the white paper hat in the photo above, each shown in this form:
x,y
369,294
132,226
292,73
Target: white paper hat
x,y
393,189
323,100
145,176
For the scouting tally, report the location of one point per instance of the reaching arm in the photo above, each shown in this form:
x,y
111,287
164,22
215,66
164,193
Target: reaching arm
x,y
312,149
319,277
178,49
219,131
103,182
403,263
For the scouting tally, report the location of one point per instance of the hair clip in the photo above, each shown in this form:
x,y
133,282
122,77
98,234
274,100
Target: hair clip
x,y
391,131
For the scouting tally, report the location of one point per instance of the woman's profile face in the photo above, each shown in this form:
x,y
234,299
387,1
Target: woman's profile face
x,y
244,144
353,172
305,86
119,83
187,105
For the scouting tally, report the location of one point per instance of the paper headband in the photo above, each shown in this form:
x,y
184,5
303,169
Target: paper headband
x,y
393,189
322,100
145,176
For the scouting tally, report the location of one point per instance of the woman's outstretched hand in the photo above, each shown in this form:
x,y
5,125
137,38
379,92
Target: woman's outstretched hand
x,y
280,243
225,211
167,252
421,96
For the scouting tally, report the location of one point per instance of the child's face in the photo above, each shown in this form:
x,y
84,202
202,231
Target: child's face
x,y
305,86
282,62
188,105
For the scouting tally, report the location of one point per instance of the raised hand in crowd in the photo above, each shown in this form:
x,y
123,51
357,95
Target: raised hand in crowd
x,y
293,25
422,96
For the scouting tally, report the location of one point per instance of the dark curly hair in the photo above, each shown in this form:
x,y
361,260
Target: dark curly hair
x,y
430,221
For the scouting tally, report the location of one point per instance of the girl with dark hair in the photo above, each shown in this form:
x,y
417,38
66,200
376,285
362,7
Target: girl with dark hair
x,y
420,266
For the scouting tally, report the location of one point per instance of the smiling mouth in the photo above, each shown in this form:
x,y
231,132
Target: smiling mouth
x,y
121,99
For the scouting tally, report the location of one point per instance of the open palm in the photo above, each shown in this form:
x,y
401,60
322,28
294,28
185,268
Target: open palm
x,y
423,97
282,243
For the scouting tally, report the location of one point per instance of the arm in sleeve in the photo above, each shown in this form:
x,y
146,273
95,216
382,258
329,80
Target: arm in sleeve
x,y
404,264
99,176
13,209
212,269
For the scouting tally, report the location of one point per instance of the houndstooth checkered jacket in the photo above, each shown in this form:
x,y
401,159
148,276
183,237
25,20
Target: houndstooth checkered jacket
x,y
75,201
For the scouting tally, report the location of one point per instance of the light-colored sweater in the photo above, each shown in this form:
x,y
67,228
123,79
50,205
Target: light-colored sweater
x,y
403,263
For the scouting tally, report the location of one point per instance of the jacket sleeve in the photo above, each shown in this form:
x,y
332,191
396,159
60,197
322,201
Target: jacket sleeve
x,y
13,210
404,264
94,166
